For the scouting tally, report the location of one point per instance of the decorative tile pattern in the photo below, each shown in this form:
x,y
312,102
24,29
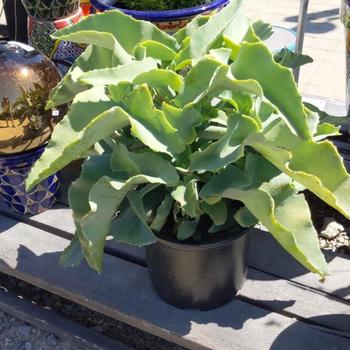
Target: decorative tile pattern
x,y
13,172
62,53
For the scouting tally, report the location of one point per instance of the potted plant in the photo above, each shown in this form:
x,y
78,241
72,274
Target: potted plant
x,y
168,15
196,137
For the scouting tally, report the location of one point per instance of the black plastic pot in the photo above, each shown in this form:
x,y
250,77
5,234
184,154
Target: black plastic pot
x,y
16,19
204,276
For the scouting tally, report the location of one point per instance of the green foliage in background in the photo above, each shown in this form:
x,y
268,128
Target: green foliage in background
x,y
160,5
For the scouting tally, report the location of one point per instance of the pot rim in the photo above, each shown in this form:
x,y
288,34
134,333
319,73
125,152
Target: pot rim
x,y
166,15
203,246
27,156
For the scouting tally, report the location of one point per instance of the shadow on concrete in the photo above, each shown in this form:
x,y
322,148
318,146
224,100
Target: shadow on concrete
x,y
318,22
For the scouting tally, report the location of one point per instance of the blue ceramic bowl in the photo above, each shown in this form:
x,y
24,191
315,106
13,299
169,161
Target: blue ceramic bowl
x,y
13,172
170,20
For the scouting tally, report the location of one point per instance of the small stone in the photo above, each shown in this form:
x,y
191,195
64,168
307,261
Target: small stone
x,y
52,340
24,331
331,228
28,346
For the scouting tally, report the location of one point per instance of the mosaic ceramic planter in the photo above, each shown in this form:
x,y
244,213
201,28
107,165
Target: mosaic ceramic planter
x,y
27,78
62,53
14,169
170,21
51,10
85,6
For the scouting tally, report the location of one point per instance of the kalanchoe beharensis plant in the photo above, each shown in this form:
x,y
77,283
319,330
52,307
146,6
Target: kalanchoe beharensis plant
x,y
203,128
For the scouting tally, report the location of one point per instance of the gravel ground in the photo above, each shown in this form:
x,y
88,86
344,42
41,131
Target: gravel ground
x,y
17,335
332,227
122,332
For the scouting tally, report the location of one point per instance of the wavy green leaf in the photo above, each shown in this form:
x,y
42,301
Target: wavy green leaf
x,y
157,50
210,77
298,237
102,28
317,166
162,214
226,150
262,29
291,59
325,117
149,124
218,212
191,199
184,120
191,27
109,191
160,78
86,123
255,61
206,34
94,168
73,254
93,57
123,73
130,226
186,229
187,196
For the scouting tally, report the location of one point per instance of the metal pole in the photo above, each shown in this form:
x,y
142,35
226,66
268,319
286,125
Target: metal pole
x,y
304,4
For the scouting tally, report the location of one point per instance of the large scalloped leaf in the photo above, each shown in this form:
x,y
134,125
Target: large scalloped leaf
x,y
206,34
92,117
102,39
317,166
149,124
156,50
93,57
162,214
190,28
130,225
255,61
210,77
105,28
184,120
228,149
186,194
161,79
97,194
298,238
93,168
126,72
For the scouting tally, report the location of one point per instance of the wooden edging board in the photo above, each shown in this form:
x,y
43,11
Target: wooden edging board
x,y
49,321
123,291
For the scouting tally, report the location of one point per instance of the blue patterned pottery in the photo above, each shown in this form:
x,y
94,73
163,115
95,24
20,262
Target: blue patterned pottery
x,y
14,169
171,20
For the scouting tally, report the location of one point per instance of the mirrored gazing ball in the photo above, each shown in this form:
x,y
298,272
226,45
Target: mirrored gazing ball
x,y
26,80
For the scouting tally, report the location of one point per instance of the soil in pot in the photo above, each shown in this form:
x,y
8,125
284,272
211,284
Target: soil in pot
x,y
196,275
